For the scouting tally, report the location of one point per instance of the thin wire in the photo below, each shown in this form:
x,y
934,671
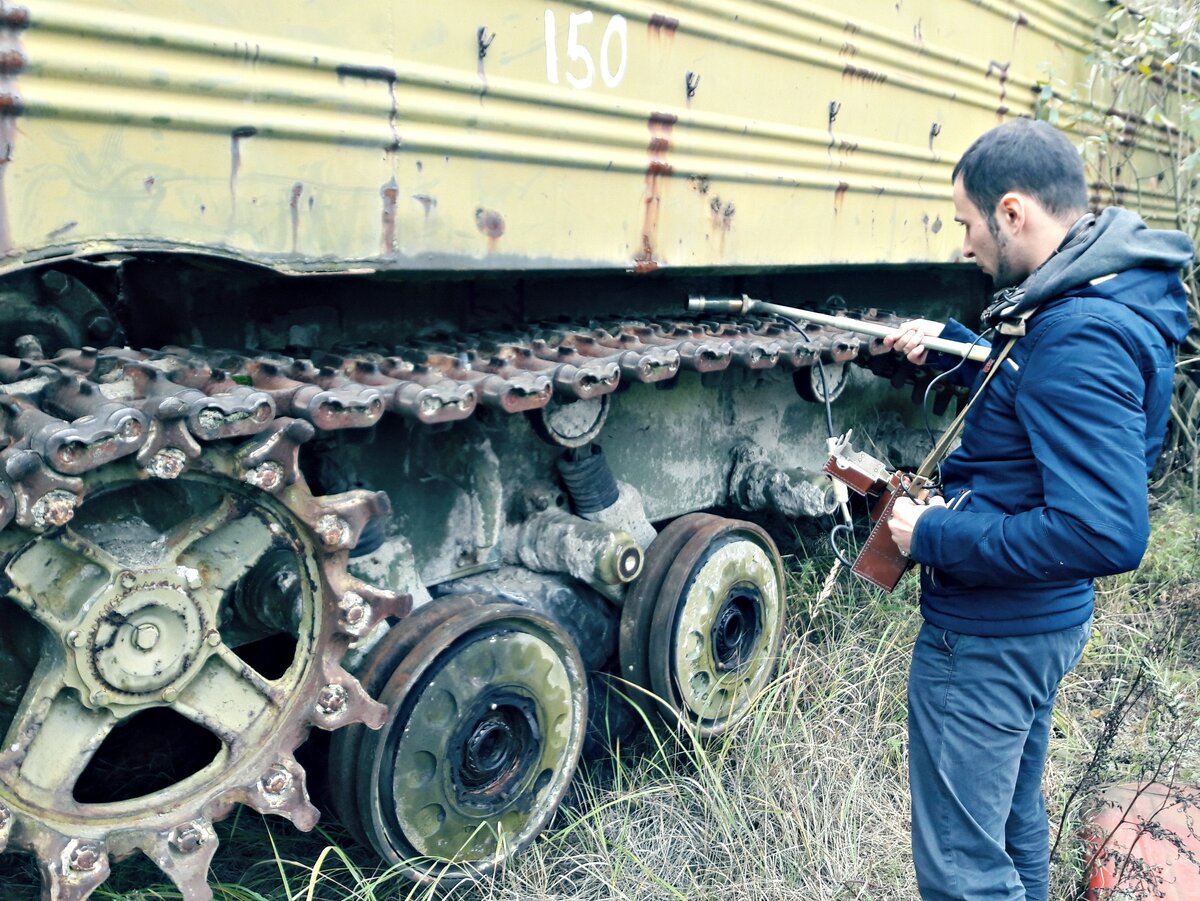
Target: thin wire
x,y
929,393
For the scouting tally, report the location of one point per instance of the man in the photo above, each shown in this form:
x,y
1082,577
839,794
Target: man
x,y
1046,492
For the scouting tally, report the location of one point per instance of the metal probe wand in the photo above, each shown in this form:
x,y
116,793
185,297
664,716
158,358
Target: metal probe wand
x,y
745,304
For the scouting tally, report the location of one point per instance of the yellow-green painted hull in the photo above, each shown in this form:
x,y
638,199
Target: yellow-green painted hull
x,y
371,135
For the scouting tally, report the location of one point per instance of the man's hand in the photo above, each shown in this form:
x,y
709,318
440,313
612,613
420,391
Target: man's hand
x,y
909,339
905,513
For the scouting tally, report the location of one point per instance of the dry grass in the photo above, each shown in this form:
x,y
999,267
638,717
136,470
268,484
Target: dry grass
x,y
807,798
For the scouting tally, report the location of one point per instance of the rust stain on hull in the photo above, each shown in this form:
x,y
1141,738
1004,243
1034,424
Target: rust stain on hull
x,y
387,242
660,26
377,73
1001,70
859,73
490,224
294,207
235,159
839,196
13,20
661,126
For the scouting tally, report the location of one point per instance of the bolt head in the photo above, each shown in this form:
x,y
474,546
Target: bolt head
x,y
268,476
334,530
170,693
84,857
74,638
186,838
99,697
145,636
213,638
128,579
276,781
332,700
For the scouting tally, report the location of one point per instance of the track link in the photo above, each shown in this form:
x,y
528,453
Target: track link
x,y
63,417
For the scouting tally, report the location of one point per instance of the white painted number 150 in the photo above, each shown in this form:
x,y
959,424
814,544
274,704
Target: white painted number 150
x,y
582,64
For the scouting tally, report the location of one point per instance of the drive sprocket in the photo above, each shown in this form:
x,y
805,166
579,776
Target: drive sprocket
x,y
206,599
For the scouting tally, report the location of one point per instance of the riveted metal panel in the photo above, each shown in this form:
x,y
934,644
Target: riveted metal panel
x,y
509,134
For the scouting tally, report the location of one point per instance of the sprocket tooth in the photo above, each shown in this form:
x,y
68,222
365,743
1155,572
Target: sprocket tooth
x,y
343,701
362,606
271,461
44,498
184,854
169,444
282,790
6,825
339,519
71,868
8,504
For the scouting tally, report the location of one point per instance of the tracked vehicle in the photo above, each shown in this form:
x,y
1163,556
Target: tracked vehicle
x,y
350,385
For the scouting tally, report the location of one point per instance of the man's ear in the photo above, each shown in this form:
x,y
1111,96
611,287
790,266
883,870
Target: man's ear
x,y
1011,212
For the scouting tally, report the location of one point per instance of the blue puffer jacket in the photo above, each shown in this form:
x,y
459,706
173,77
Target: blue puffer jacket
x,y
1048,489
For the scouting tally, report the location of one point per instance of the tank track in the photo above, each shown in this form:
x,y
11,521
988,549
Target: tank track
x,y
85,408
71,423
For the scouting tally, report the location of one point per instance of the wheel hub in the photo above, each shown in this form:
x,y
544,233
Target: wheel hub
x,y
498,746
736,628
147,634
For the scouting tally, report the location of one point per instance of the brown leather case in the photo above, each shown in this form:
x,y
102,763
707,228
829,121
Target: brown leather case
x,y
880,561
851,476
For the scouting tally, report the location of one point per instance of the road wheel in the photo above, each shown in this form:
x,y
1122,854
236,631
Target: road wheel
x,y
487,714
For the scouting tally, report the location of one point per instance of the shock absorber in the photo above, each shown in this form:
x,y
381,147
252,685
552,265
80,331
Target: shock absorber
x,y
597,496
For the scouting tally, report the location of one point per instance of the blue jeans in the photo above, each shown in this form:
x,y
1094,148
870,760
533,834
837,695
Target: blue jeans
x,y
978,726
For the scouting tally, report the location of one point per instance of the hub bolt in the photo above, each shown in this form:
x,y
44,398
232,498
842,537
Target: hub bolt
x,y
267,476
276,781
332,700
99,696
145,636
334,530
187,838
170,693
128,579
74,638
84,857
213,638
354,611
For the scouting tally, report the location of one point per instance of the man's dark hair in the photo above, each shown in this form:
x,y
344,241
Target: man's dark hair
x,y
1028,156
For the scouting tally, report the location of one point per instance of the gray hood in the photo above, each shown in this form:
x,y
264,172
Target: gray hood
x,y
1095,246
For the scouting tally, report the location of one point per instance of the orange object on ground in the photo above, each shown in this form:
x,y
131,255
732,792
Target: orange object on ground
x,y
1144,842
